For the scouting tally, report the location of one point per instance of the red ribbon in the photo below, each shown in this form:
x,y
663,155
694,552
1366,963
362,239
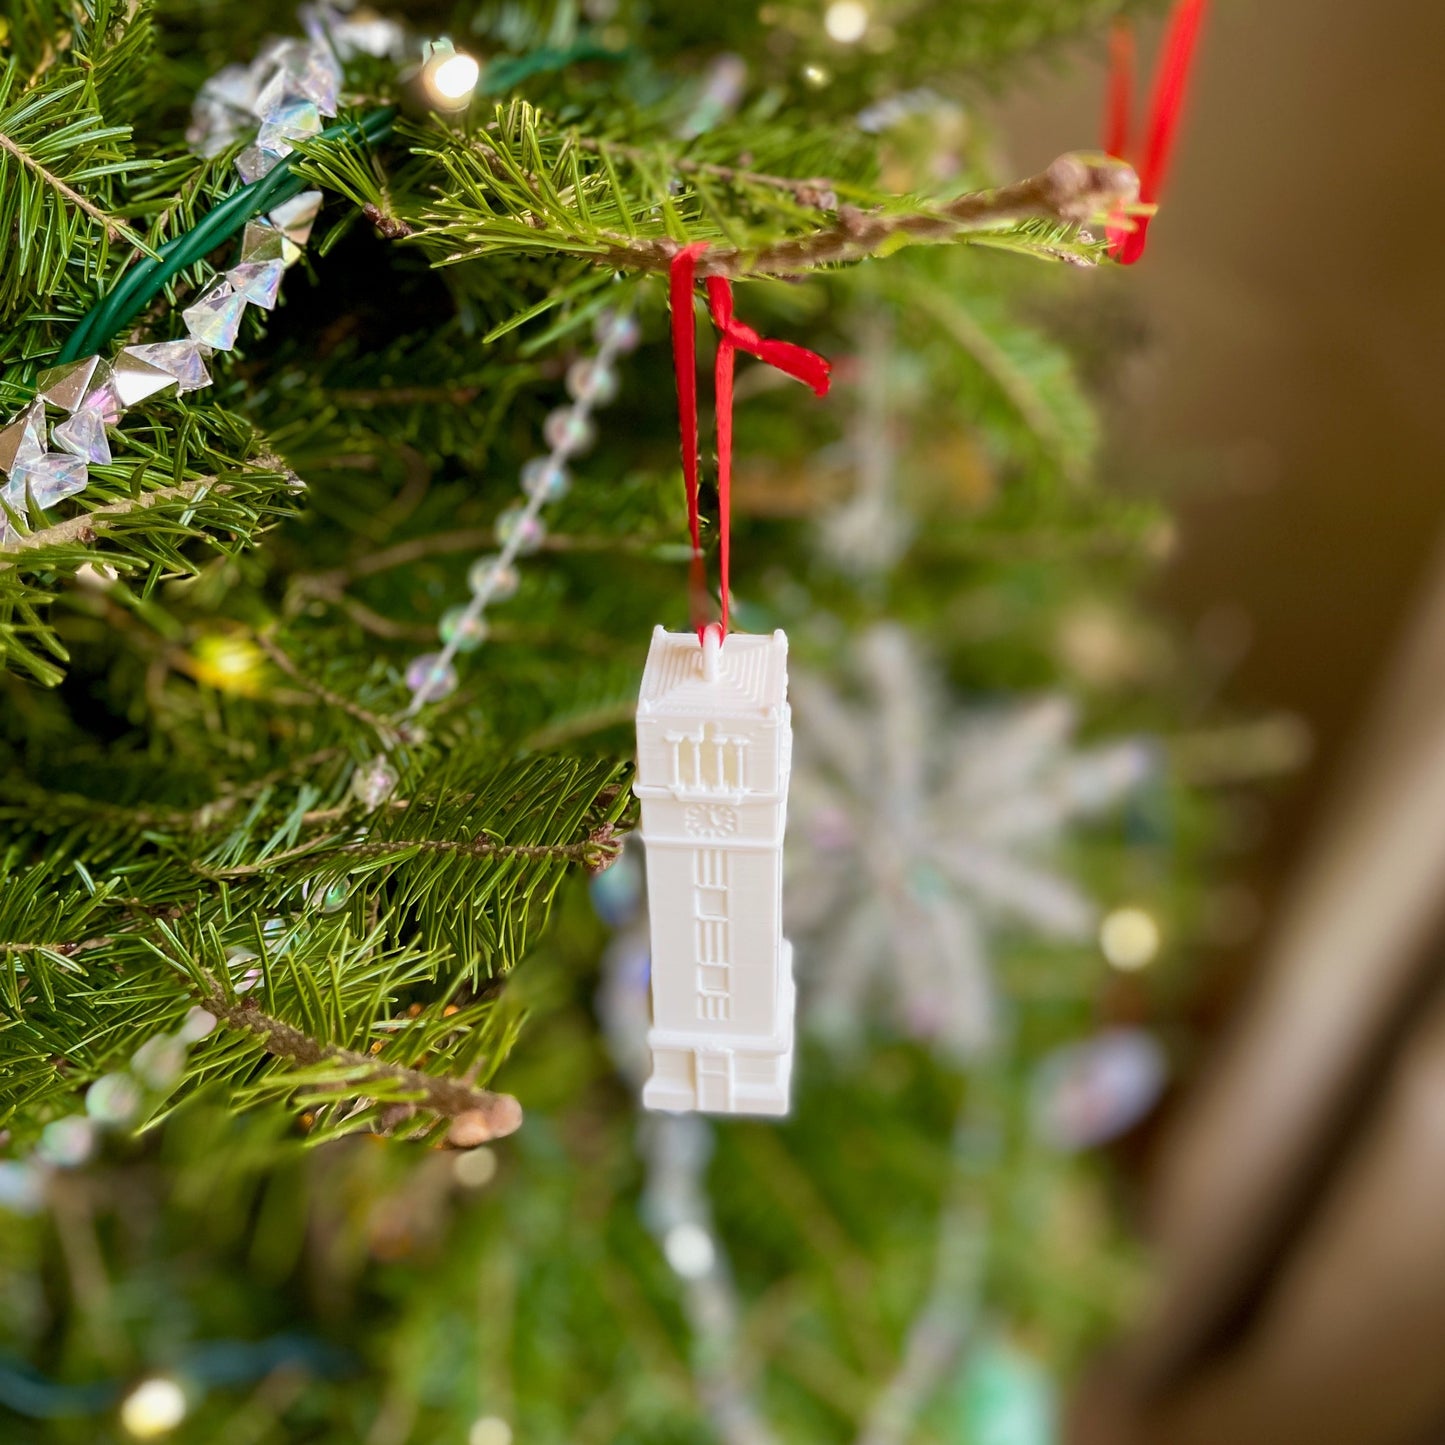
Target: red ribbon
x,y
733,336
1166,107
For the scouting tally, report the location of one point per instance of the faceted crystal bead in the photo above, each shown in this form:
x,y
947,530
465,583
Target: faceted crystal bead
x,y
232,86
23,1187
527,530
489,576
333,899
54,477
462,627
262,242
104,400
544,477
113,1099
12,494
65,386
198,1024
184,360
568,432
320,80
83,435
316,21
159,1062
428,679
213,127
296,120
295,218
367,33
24,439
274,57
307,73
277,95
621,329
135,379
253,163
257,281
66,1143
328,897
216,317
589,380
373,782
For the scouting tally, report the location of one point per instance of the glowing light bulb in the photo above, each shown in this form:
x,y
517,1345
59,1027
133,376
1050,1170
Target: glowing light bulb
x,y
230,664
450,75
154,1408
846,21
1129,939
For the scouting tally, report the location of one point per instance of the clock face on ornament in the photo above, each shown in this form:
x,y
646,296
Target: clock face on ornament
x,y
710,820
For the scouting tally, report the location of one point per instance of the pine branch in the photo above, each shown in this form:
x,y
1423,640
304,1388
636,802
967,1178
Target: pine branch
x,y
480,1113
1074,189
114,228
597,852
816,192
89,526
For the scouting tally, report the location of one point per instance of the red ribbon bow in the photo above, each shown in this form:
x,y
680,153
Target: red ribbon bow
x,y
1166,106
733,336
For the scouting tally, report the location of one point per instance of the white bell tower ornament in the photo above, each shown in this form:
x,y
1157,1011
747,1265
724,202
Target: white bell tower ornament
x,y
714,751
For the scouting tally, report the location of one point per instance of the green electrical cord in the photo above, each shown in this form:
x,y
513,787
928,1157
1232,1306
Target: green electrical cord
x,y
145,280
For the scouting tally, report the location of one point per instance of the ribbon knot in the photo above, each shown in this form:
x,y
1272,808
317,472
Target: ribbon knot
x,y
1166,107
733,336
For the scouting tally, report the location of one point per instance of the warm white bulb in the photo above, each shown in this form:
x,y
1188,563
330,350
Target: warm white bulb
x,y
456,77
1129,938
845,21
153,1408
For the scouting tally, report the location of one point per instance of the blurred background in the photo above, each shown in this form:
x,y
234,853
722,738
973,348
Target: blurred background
x,y
1294,1189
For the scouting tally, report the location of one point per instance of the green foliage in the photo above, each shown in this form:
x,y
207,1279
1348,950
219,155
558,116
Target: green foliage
x,y
217,698
206,650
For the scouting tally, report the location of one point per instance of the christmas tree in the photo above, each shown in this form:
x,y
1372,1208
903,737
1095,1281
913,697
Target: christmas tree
x,y
341,496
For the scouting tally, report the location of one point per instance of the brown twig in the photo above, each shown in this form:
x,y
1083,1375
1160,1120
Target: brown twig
x,y
596,852
385,730
65,950
1075,188
386,221
89,525
816,191
478,1113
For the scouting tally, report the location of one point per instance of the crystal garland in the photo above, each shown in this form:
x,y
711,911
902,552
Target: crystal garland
x,y
291,83
283,94
568,430
287,89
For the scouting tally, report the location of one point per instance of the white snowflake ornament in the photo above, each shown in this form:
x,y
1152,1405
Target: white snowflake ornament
x,y
918,833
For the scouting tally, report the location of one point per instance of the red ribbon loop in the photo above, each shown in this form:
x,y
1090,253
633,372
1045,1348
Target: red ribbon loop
x,y
733,336
1166,107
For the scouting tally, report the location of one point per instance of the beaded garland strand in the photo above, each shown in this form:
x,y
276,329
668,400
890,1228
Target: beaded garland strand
x,y
568,430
